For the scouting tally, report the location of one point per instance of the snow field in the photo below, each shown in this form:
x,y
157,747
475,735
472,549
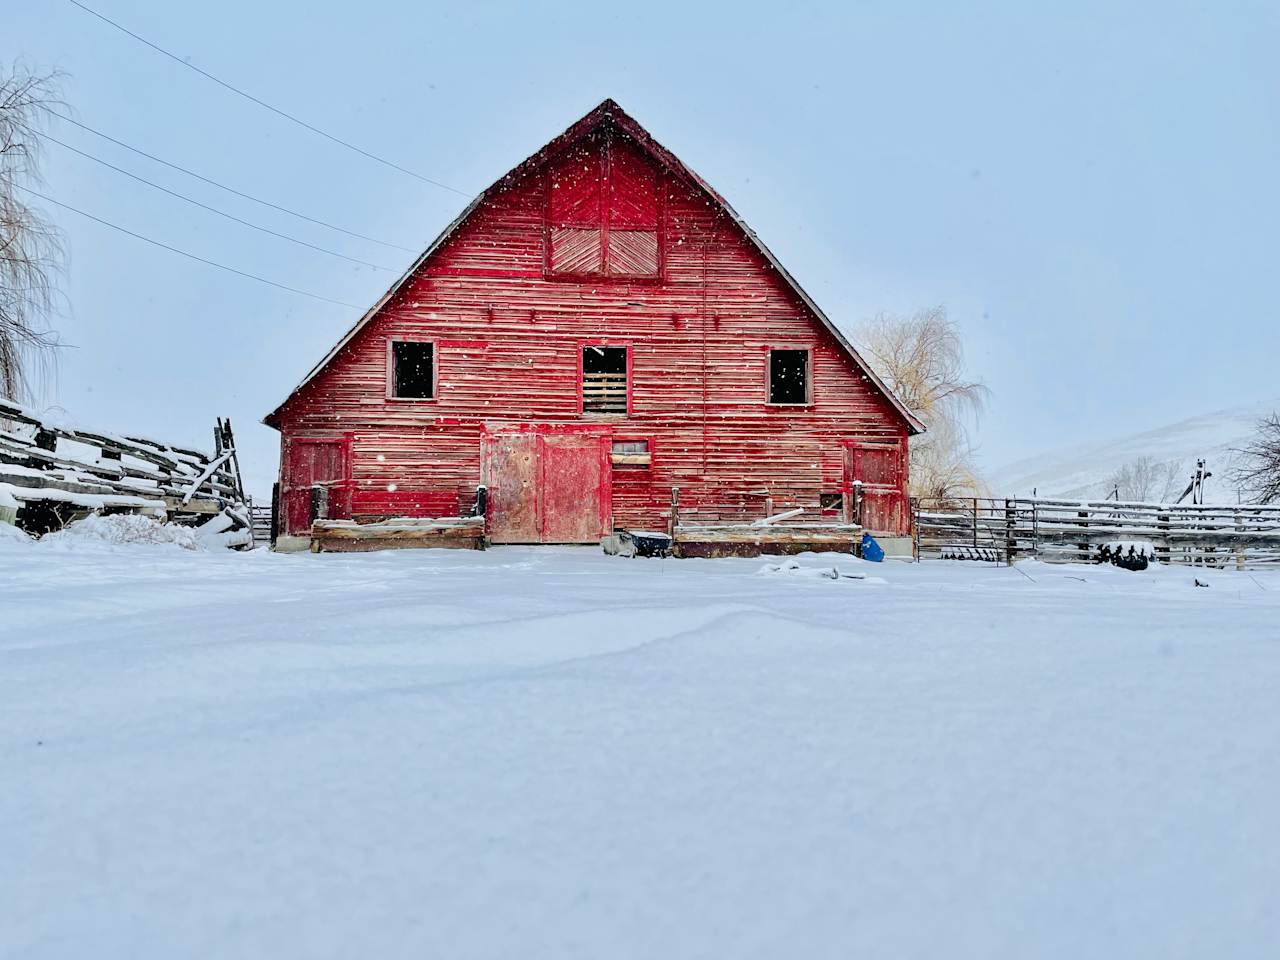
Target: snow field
x,y
546,752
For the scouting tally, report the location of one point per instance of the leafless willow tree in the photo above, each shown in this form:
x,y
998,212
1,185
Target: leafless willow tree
x,y
922,359
1257,467
31,252
1147,479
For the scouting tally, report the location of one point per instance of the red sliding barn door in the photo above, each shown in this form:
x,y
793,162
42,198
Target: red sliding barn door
x,y
576,494
306,464
547,487
510,469
876,473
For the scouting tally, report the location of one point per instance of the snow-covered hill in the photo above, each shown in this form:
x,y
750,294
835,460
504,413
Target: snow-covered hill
x,y
1085,471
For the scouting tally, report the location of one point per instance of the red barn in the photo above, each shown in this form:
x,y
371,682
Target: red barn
x,y
596,328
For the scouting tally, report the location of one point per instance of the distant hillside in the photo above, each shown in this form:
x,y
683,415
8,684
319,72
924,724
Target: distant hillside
x,y
1084,471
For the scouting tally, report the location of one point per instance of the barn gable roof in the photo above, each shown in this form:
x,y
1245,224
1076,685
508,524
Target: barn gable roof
x,y
607,112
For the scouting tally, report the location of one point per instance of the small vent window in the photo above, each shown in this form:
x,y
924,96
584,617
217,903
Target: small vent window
x,y
631,454
413,370
831,501
604,380
789,376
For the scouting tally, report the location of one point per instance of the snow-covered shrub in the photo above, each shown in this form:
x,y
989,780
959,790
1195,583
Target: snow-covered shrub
x,y
8,506
11,534
126,528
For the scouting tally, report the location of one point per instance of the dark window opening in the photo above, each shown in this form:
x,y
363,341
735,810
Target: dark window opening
x,y
631,454
413,370
788,376
831,501
604,379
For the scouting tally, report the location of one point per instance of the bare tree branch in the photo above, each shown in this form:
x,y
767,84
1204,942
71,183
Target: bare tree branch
x,y
922,359
1147,479
33,253
1257,471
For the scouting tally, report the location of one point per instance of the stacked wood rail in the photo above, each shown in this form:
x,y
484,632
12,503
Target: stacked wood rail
x,y
347,536
1242,536
771,534
753,540
58,474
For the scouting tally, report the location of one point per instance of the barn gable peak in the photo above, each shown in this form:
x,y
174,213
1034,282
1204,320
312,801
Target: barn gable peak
x,y
609,114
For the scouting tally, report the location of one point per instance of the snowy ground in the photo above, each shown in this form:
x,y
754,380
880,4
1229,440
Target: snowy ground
x,y
551,753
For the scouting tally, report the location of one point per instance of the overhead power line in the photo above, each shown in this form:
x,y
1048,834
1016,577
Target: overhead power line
x,y
231,190
184,253
262,103
221,213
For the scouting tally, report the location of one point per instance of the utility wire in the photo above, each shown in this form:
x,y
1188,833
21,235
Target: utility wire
x,y
221,213
184,253
223,186
262,103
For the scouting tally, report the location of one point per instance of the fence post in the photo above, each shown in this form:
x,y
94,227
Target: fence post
x,y
1010,544
914,505
275,513
1162,524
1035,529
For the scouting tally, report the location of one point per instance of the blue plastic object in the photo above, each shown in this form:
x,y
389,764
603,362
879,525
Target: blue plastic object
x,y
870,549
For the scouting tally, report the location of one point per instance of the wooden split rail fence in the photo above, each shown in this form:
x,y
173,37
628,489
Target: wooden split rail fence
x,y
57,474
1242,536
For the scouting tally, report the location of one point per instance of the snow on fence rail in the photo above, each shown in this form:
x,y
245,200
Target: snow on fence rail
x,y
1002,530
56,474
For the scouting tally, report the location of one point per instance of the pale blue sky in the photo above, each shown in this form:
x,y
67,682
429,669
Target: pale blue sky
x,y
1090,188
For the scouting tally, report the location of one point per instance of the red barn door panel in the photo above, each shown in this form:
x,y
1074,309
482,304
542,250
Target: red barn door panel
x,y
510,469
878,472
633,189
547,487
574,187
575,488
307,463
575,250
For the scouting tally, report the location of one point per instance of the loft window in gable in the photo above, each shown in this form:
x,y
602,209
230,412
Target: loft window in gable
x,y
602,212
412,370
789,382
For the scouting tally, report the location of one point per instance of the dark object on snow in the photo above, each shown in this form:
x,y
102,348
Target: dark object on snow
x,y
870,549
1125,556
1199,583
984,554
637,543
643,543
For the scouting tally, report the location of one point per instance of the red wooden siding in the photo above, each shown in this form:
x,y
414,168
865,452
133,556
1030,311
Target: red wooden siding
x,y
509,331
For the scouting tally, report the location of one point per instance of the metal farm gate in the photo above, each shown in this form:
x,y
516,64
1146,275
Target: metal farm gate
x,y
1001,530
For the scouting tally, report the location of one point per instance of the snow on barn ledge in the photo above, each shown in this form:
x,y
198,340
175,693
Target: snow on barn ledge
x,y
597,328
